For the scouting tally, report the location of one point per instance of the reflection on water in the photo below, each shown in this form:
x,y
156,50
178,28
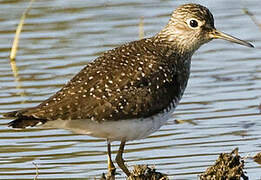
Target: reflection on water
x,y
219,108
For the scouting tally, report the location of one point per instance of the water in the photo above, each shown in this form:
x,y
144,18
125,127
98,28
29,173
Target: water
x,y
219,107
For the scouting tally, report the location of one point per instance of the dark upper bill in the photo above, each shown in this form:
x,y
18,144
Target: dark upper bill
x,y
220,35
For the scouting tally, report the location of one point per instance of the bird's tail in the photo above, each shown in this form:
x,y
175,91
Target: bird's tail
x,y
21,120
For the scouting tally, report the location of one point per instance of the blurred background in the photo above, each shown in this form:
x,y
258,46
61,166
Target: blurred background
x,y
219,110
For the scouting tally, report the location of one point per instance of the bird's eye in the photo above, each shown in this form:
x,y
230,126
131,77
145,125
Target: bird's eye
x,y
193,23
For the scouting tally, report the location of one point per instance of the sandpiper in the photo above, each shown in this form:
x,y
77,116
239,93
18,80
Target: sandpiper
x,y
129,92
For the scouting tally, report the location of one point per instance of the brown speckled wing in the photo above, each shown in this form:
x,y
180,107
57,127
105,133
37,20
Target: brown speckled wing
x,y
132,81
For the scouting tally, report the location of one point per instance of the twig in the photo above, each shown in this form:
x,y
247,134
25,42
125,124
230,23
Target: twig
x,y
15,47
37,172
141,28
17,78
253,18
18,31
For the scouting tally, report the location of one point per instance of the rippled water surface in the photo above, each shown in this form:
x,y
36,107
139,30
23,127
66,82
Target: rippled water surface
x,y
219,107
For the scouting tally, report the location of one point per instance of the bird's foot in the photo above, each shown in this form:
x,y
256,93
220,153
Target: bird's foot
x,y
111,173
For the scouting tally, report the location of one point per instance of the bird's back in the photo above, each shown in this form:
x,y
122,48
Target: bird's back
x,y
135,80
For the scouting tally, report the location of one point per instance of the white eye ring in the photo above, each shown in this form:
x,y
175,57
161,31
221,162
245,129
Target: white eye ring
x,y
193,23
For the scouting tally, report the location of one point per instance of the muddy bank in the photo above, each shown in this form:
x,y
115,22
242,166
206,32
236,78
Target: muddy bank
x,y
142,172
227,166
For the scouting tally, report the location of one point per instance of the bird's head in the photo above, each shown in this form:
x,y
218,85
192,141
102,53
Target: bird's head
x,y
192,25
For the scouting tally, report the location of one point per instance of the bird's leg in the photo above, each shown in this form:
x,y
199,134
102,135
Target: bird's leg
x,y
111,167
120,160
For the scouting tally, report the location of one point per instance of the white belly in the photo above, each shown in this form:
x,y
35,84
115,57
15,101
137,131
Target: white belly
x,y
114,130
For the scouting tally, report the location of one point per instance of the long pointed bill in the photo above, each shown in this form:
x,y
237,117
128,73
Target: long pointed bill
x,y
220,35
